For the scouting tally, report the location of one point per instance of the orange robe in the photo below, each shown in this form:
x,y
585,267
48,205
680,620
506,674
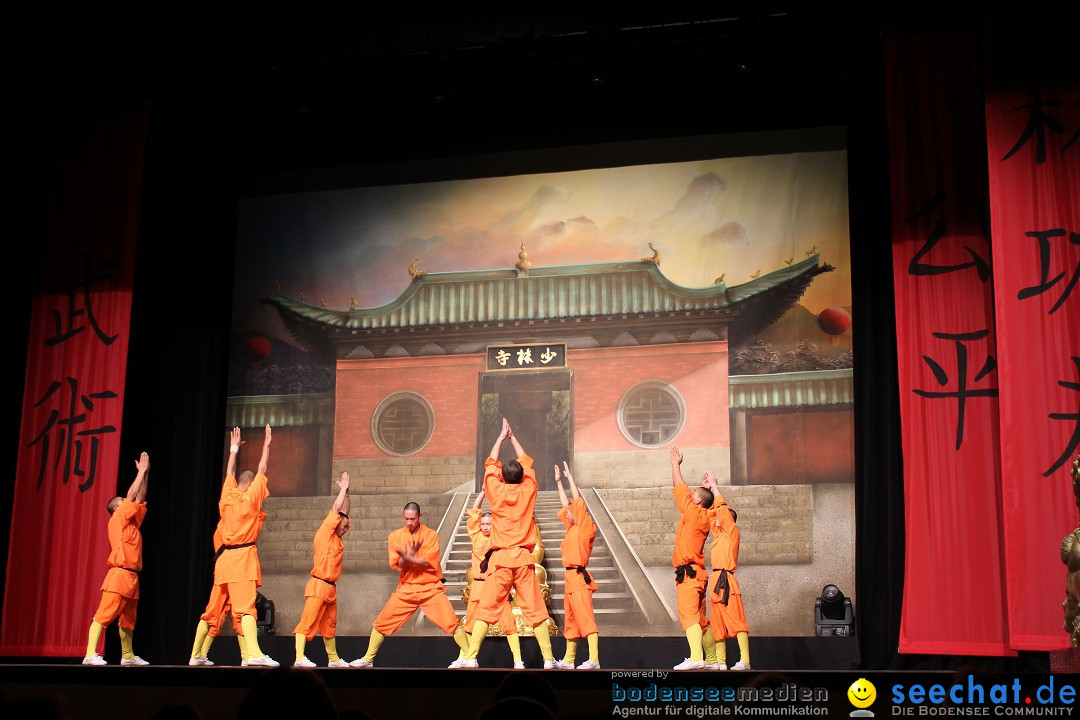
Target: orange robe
x,y
513,538
728,618
320,606
418,588
689,554
579,620
241,522
480,545
120,589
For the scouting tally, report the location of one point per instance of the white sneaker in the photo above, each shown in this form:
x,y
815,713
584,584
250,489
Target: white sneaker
x,y
243,662
689,664
94,659
465,663
338,663
552,665
563,665
361,662
716,666
200,661
264,661
740,666
519,665
133,660
589,665
303,662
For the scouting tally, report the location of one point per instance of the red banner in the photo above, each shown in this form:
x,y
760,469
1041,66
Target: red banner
x,y
946,344
1034,161
74,392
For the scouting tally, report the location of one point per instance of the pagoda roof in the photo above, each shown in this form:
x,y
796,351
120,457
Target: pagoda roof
x,y
599,290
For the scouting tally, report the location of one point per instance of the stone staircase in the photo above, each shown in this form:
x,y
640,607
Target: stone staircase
x,y
613,602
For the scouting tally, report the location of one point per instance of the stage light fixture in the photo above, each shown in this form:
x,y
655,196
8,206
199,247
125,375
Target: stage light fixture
x,y
264,615
833,615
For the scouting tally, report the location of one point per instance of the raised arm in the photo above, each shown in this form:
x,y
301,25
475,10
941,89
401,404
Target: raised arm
x,y
494,454
234,448
342,503
137,491
479,500
518,450
264,461
558,484
570,478
676,469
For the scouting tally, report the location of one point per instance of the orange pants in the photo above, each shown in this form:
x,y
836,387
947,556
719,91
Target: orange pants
x,y
727,620
579,620
319,616
218,608
507,623
496,595
242,595
407,599
113,605
690,598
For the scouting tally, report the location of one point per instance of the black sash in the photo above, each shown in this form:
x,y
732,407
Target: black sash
x,y
722,582
584,573
328,582
223,548
685,570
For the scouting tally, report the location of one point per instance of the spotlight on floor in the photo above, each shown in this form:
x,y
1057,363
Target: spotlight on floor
x,y
832,613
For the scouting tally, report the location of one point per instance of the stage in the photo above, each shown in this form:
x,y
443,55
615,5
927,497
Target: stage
x,y
410,679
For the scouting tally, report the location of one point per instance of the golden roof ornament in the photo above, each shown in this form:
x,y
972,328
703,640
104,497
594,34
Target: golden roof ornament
x,y
756,275
523,263
655,259
720,280
416,274
352,302
322,302
811,251
1070,555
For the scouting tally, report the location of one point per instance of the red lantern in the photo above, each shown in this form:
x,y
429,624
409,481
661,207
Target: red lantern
x,y
257,348
834,321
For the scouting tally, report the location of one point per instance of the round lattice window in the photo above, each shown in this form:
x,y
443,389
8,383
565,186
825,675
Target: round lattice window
x,y
402,423
651,414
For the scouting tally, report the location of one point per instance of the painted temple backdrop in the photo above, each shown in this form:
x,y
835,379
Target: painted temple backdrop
x,y
609,314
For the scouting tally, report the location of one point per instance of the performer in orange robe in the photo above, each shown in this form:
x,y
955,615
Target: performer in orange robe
x,y
237,572
577,545
320,606
726,611
414,551
511,489
688,559
479,527
120,590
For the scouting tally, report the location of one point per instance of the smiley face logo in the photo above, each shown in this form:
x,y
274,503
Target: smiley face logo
x,y
862,693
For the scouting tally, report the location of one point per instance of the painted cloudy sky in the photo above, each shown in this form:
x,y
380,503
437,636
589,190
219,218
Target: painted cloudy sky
x,y
730,216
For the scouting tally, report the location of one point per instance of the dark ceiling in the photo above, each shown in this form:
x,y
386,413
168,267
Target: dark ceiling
x,y
322,84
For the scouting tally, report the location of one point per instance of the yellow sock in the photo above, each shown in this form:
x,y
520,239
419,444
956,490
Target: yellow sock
x,y
94,638
244,655
708,642
514,641
571,652
373,645
125,643
331,649
594,647
721,651
543,639
693,639
479,632
201,633
462,640
744,647
251,636
300,643
206,645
